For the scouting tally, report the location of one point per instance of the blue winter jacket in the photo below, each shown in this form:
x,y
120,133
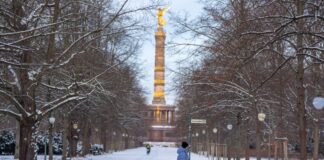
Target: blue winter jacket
x,y
182,154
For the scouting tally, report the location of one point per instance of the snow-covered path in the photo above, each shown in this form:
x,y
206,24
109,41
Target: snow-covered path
x,y
157,153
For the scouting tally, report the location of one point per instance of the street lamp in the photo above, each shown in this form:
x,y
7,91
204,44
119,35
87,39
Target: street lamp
x,y
74,139
318,103
197,139
51,120
123,141
204,140
261,118
126,141
229,127
113,141
215,143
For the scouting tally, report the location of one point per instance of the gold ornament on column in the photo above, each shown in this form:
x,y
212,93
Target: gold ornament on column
x,y
160,14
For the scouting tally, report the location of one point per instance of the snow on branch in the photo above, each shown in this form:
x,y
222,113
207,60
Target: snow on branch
x,y
312,56
56,62
11,113
60,102
14,74
27,19
3,61
31,30
18,106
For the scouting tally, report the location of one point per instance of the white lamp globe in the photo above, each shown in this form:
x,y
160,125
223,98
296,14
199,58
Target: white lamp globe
x,y
215,130
75,126
229,126
203,131
197,134
318,102
261,116
51,120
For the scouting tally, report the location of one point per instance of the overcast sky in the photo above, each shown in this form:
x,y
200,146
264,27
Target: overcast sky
x,y
190,7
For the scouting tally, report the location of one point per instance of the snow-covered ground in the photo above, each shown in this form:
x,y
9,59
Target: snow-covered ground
x,y
157,153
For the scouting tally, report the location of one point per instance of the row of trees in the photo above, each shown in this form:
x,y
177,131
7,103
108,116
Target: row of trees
x,y
258,56
72,60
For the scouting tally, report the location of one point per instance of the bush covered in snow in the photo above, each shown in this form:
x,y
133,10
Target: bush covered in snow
x,y
7,142
42,139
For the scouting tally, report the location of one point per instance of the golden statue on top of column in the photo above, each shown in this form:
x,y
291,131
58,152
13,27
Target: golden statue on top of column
x,y
160,14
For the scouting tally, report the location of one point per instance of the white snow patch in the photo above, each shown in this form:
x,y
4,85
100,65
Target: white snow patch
x,y
14,74
32,74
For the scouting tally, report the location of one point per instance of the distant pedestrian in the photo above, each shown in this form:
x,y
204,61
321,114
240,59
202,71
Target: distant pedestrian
x,y
148,148
182,152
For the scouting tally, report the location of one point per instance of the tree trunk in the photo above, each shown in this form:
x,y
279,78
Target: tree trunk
x,y
103,136
50,143
247,145
300,83
26,143
258,142
16,157
316,141
86,140
65,140
74,143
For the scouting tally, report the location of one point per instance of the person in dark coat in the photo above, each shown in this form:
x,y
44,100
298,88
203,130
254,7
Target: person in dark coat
x,y
182,152
148,148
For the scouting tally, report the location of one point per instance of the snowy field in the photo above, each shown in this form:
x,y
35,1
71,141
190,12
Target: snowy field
x,y
157,153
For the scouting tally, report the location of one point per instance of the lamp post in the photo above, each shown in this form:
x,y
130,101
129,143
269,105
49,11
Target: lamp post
x,y
126,141
215,146
261,118
229,127
204,133
123,141
197,146
114,141
50,148
318,103
45,148
96,135
74,139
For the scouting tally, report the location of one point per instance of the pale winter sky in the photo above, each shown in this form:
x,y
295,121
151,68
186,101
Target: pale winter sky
x,y
192,9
